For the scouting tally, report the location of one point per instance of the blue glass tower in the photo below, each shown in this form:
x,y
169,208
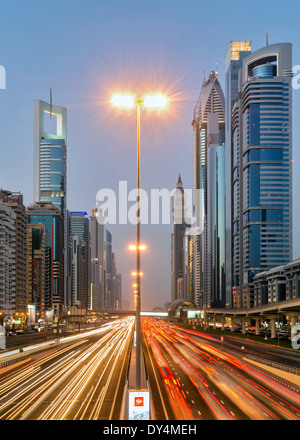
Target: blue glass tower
x,y
50,154
262,168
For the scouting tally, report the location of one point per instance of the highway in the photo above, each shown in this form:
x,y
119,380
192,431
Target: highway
x,y
82,378
201,379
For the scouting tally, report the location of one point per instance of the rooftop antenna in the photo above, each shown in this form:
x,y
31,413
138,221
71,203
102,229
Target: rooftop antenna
x,y
267,42
216,70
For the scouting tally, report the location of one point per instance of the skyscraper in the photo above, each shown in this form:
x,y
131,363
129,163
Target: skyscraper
x,y
108,269
80,228
179,211
36,235
262,168
97,229
211,101
237,51
15,201
51,217
50,152
50,168
7,263
215,264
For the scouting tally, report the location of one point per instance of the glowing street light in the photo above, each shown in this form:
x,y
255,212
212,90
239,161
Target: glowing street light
x,y
133,247
153,101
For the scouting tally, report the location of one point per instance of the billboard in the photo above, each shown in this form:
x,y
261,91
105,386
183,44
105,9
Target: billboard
x,y
138,405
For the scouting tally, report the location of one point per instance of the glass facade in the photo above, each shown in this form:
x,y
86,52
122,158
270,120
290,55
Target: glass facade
x,y
237,51
50,216
262,169
216,225
53,172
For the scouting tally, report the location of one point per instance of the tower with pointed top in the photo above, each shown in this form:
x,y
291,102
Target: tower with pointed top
x,y
179,211
211,101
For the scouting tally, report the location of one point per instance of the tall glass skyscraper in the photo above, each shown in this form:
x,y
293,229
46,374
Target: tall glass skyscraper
x,y
211,101
50,154
50,169
262,168
237,51
215,264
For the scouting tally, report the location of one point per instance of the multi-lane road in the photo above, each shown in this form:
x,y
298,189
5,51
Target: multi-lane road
x,y
82,378
192,376
198,378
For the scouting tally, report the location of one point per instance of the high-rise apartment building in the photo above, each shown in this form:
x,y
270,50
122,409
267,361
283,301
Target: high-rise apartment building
x,y
7,263
262,168
15,201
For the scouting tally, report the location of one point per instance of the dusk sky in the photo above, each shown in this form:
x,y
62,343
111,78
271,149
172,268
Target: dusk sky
x,y
88,50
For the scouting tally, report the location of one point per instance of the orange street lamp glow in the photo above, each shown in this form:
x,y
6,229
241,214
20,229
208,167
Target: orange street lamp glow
x,y
135,274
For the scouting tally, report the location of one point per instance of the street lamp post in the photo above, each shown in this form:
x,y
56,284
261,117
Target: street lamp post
x,y
138,252
155,101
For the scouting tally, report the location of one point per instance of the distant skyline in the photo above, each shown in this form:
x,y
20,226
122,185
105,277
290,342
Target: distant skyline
x,y
86,51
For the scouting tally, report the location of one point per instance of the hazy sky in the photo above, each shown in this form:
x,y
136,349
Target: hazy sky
x,y
87,50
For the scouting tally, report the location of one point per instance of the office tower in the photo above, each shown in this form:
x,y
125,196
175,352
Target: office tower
x,y
50,151
117,291
51,217
36,236
108,269
77,267
262,168
7,263
97,259
237,51
50,167
15,201
211,100
179,211
215,219
68,260
188,264
80,228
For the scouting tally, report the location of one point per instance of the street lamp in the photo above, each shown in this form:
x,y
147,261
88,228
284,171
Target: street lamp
x,y
156,101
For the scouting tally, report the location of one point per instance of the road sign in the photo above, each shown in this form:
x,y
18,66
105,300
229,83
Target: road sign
x,y
138,405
